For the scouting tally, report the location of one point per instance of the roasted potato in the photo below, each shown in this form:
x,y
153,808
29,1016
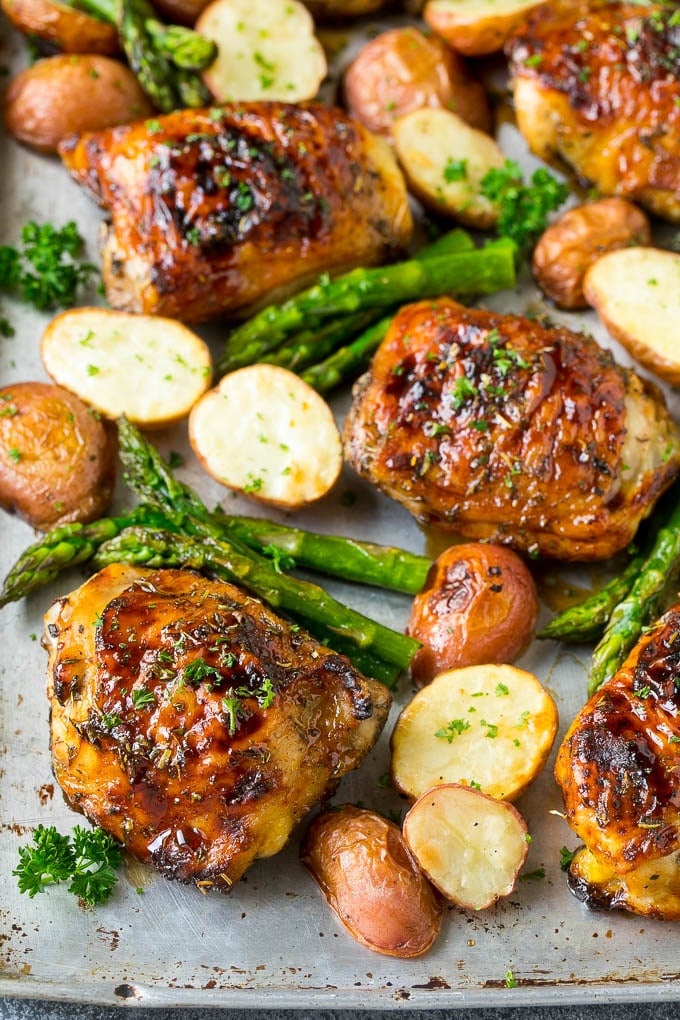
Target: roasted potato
x,y
152,370
476,27
267,49
489,727
267,434
579,238
66,94
68,29
470,846
330,10
444,161
479,604
181,12
370,880
403,70
636,293
57,458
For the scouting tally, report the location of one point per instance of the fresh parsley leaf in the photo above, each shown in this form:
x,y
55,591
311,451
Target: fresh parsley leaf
x,y
87,859
566,857
523,208
46,272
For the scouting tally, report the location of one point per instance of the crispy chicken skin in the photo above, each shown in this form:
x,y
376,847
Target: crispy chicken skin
x,y
618,767
214,210
156,738
499,429
599,85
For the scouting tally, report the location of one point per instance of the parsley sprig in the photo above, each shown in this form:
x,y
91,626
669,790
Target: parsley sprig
x,y
87,859
46,272
524,208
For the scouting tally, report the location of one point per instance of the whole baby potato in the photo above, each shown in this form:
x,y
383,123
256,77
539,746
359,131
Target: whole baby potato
x,y
57,459
576,240
362,865
70,93
403,70
479,605
71,31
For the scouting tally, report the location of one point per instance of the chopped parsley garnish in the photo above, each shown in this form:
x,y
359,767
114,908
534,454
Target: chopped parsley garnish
x,y
88,859
453,728
523,208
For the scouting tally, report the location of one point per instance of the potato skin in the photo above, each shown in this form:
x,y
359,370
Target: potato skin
x,y
181,12
57,458
69,30
479,605
70,93
571,244
403,70
473,37
363,867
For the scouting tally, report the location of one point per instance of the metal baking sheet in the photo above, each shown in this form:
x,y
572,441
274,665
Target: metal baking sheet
x,y
273,940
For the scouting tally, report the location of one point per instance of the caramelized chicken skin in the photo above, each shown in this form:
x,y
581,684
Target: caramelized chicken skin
x,y
500,429
618,767
598,83
214,210
192,723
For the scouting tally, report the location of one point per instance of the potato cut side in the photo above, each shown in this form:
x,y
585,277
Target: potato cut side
x,y
267,434
476,27
266,50
487,727
444,161
636,293
470,846
152,370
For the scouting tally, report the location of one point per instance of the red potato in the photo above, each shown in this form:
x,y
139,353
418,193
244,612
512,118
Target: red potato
x,y
575,241
69,93
57,459
479,605
69,30
362,865
403,70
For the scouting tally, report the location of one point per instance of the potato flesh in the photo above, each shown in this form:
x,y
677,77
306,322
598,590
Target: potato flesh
x,y
151,369
496,726
444,160
265,432
470,846
266,50
636,293
476,27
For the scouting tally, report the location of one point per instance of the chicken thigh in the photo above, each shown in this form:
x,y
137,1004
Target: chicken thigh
x,y
499,429
193,724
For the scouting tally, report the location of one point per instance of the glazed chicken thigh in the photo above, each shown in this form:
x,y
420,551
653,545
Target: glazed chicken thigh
x,y
216,210
193,724
618,767
598,84
499,429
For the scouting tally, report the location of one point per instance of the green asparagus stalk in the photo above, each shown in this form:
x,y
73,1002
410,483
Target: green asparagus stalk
x,y
158,548
313,345
187,49
66,546
347,558
464,274
640,605
587,620
365,662
349,361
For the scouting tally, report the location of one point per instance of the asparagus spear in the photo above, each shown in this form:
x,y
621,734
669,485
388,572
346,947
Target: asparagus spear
x,y
164,57
158,548
378,565
464,274
312,345
587,620
640,605
349,361
66,546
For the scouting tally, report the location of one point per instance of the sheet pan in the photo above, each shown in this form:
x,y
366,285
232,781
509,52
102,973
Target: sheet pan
x,y
273,941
